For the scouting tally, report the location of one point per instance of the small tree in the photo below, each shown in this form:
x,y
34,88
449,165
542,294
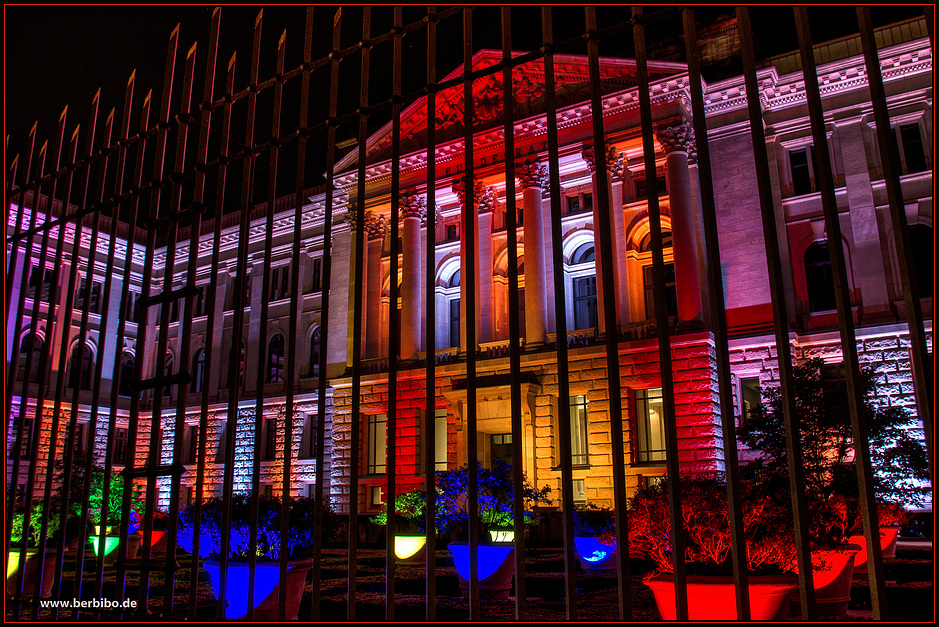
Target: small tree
x,y
901,470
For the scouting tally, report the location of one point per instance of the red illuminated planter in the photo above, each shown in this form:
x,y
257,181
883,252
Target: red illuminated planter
x,y
714,598
832,573
888,546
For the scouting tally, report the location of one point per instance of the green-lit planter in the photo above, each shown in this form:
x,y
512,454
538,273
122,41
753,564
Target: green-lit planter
x,y
110,545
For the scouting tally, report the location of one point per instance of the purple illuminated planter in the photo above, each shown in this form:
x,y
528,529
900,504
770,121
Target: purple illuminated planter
x,y
593,554
266,588
496,568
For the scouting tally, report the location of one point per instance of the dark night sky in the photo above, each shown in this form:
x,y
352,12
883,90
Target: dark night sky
x,y
60,55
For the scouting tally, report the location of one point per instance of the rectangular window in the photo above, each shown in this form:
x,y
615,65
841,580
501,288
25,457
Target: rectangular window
x,y
588,202
308,440
190,444
671,291
129,308
94,299
202,301
268,439
579,456
280,284
316,284
455,322
187,494
440,442
573,204
650,426
750,397
585,302
579,490
501,447
34,280
26,440
375,441
120,446
452,234
914,156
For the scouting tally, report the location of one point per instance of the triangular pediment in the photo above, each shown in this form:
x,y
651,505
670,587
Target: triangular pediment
x,y
572,85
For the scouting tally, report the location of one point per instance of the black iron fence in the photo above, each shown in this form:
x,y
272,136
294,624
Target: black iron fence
x,y
177,187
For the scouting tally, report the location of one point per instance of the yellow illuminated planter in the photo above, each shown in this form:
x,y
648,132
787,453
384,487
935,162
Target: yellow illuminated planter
x,y
33,563
410,549
502,535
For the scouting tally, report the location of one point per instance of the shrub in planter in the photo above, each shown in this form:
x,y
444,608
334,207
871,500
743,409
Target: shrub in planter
x,y
594,536
116,489
706,531
267,550
33,560
496,494
410,526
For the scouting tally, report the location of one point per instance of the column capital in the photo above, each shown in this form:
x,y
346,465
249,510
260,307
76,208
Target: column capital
x,y
459,188
532,174
676,138
374,225
614,161
488,200
411,205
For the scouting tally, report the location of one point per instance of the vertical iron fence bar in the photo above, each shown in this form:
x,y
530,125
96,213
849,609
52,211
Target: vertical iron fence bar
x,y
394,320
319,487
53,305
922,364
112,416
718,316
264,350
125,284
13,192
199,197
859,423
156,186
238,359
430,342
40,397
469,221
34,326
183,342
124,133
63,350
511,213
673,468
605,237
359,271
560,317
20,315
296,298
778,293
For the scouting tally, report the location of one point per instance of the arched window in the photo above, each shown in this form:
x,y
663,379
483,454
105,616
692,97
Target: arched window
x,y
315,343
818,278
127,375
168,369
454,280
198,371
921,243
80,367
583,254
242,362
31,345
275,359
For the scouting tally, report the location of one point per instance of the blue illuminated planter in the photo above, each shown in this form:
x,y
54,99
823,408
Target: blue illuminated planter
x,y
593,554
496,568
266,588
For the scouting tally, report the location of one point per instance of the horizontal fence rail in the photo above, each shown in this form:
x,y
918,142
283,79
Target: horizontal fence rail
x,y
279,326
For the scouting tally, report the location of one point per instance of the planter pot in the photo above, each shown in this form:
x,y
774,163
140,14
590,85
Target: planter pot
x,y
496,568
266,588
888,546
502,535
713,598
410,549
593,554
832,573
110,544
33,563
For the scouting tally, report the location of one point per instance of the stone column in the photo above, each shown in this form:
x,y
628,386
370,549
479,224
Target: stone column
x,y
614,165
530,177
469,221
411,207
214,353
372,321
678,143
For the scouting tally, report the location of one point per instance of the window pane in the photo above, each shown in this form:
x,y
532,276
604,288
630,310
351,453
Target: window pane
x,y
579,455
651,425
375,441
